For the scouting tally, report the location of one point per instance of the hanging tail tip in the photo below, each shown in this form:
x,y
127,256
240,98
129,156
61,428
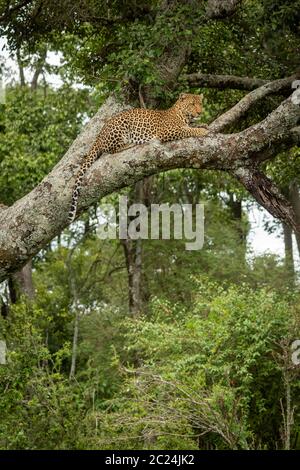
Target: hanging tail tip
x,y
72,214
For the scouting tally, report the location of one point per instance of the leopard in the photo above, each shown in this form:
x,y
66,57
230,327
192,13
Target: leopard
x,y
138,126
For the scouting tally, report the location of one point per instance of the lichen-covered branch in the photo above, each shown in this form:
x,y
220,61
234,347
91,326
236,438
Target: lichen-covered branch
x,y
240,109
35,219
223,81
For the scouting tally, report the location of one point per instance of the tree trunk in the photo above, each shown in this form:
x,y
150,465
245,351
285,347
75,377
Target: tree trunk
x,y
73,308
20,283
38,70
4,309
21,69
288,250
133,257
23,281
237,215
295,201
75,344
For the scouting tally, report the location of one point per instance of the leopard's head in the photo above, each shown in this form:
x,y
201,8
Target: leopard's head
x,y
190,105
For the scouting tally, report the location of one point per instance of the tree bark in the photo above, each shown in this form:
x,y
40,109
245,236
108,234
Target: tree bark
x,y
237,215
133,257
38,217
295,201
249,100
24,282
74,344
4,309
73,308
20,282
21,69
235,82
137,266
267,195
288,250
38,69
223,81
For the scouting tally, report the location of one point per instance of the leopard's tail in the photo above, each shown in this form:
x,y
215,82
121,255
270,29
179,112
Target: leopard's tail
x,y
91,157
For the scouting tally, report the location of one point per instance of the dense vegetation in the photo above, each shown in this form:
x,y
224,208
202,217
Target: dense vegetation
x,y
143,344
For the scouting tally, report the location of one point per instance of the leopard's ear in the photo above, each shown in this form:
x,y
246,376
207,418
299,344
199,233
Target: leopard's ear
x,y
201,96
182,96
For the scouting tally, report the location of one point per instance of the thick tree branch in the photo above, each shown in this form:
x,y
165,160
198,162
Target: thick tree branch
x,y
223,81
267,195
35,219
290,139
245,103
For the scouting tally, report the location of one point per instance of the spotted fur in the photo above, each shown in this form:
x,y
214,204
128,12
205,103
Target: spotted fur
x,y
138,126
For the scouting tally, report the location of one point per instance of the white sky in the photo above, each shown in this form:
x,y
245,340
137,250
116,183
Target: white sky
x,y
259,240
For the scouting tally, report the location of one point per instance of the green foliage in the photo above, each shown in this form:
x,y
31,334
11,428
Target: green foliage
x,y
39,408
285,168
203,372
209,374
36,130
